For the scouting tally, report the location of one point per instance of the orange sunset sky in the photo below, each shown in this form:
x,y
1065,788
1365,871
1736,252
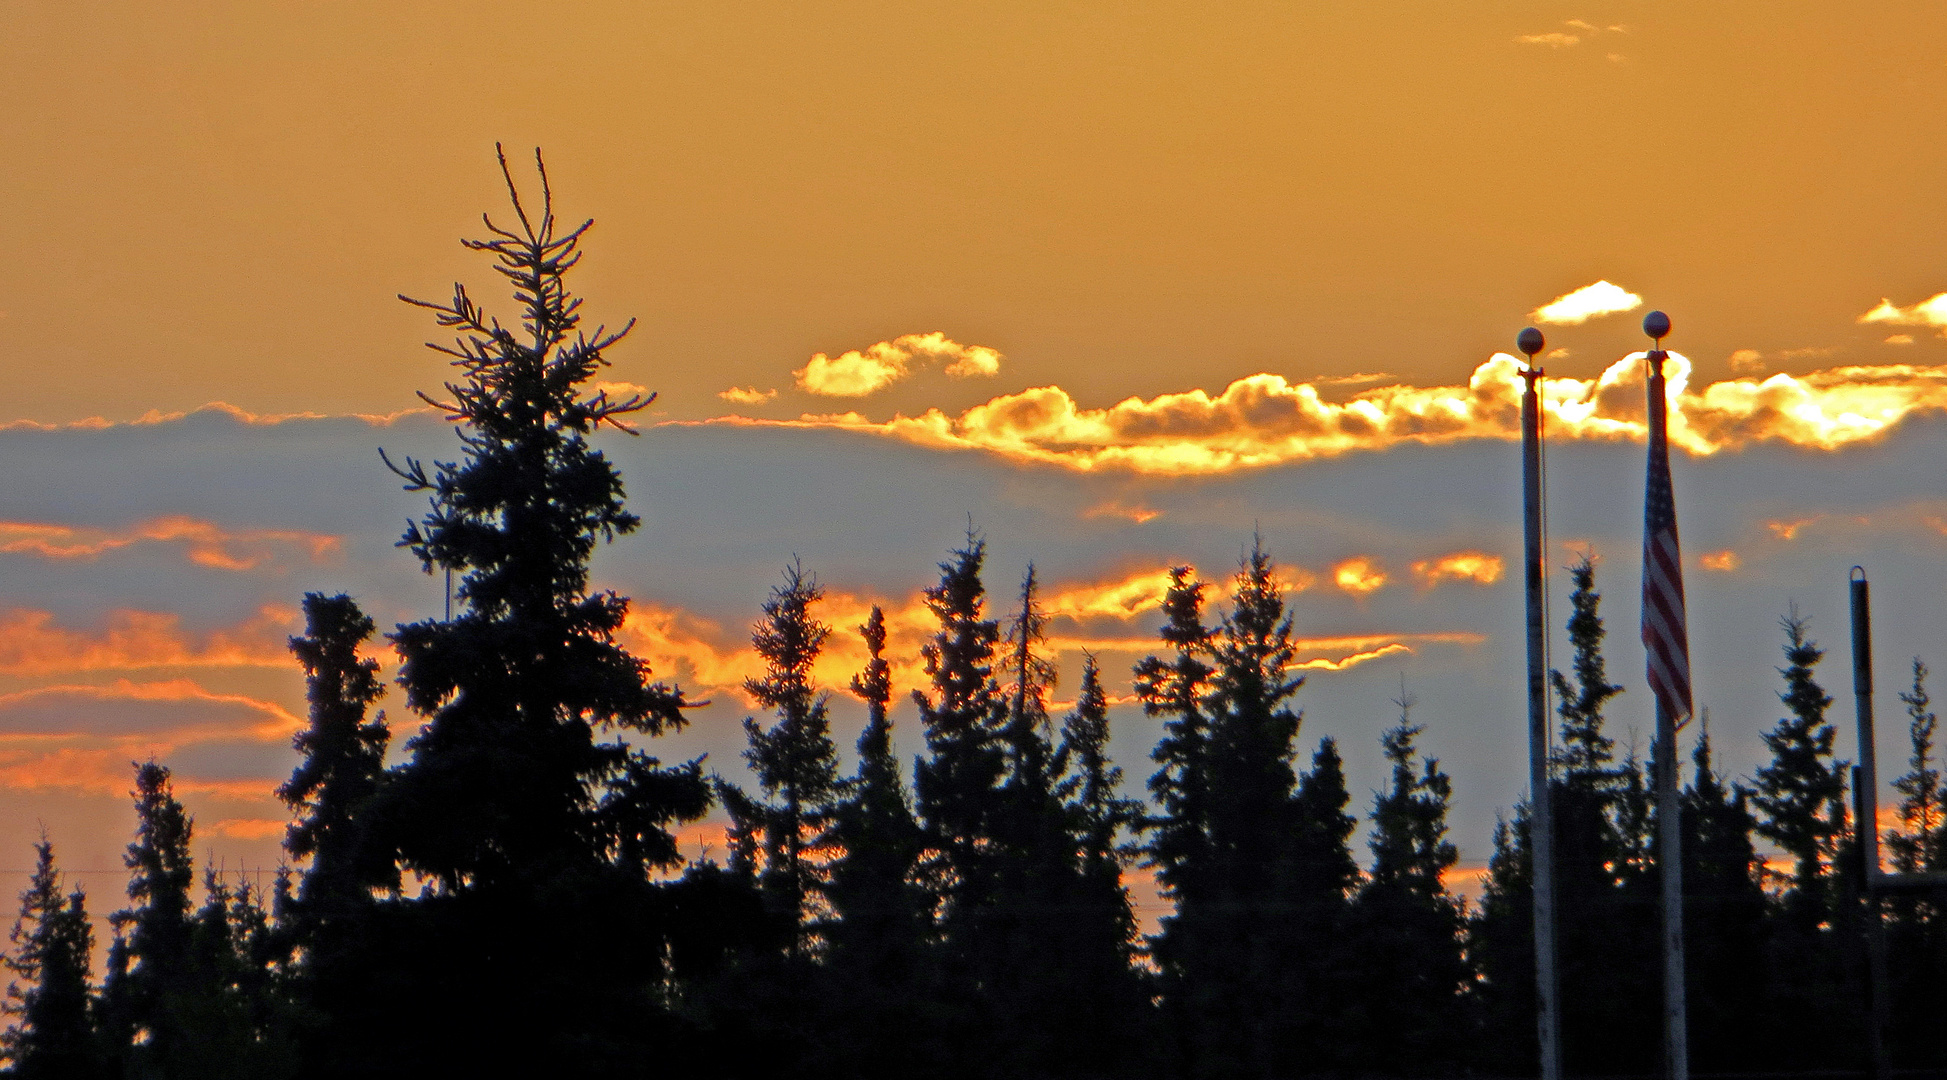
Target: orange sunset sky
x,y
1123,282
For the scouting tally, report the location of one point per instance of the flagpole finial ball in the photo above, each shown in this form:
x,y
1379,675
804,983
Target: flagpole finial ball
x,y
1656,325
1530,341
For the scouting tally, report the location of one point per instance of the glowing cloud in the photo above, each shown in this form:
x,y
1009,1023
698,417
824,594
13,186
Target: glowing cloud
x,y
221,409
1359,576
1788,530
30,643
1587,302
1931,312
206,543
1724,561
866,371
1123,599
1140,514
1747,361
1555,40
1475,566
746,395
1263,420
82,738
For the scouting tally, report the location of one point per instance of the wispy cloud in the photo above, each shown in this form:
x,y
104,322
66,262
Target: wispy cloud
x,y
31,644
1789,530
711,659
1359,576
1475,566
1582,30
1724,561
746,395
1587,302
1264,420
82,738
866,371
216,409
1931,312
1138,513
205,542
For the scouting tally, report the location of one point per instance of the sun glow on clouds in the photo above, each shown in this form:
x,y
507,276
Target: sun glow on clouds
x,y
206,543
30,643
1931,312
1724,561
1359,576
1262,420
866,371
709,659
746,395
1475,566
82,738
1587,302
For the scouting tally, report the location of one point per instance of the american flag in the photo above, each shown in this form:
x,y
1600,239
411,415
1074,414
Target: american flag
x,y
1664,634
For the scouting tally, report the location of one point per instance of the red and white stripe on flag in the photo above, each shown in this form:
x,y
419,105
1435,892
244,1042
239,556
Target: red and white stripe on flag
x,y
1664,633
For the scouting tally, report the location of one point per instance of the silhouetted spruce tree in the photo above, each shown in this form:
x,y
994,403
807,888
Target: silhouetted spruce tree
x,y
1177,687
1917,923
343,766
1029,967
958,784
222,997
1800,801
1323,876
533,821
1607,956
51,1036
877,938
1100,817
1233,971
795,762
1920,843
156,955
1723,922
1800,794
1405,1015
327,919
1501,948
1111,1033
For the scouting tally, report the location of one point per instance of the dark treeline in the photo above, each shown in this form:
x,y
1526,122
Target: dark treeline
x,y
509,898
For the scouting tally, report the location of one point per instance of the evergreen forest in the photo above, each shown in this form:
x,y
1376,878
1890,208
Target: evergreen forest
x,y
495,888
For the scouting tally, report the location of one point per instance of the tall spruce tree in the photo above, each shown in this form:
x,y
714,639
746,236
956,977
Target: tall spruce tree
x,y
1177,688
1800,801
151,994
795,762
51,1036
523,806
343,766
964,718
1605,958
327,921
1800,795
1229,842
1501,948
878,949
1032,959
1724,913
1405,1015
1917,923
1110,1014
1920,843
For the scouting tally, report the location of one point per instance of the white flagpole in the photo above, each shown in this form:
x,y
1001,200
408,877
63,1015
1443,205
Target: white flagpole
x,y
1541,820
